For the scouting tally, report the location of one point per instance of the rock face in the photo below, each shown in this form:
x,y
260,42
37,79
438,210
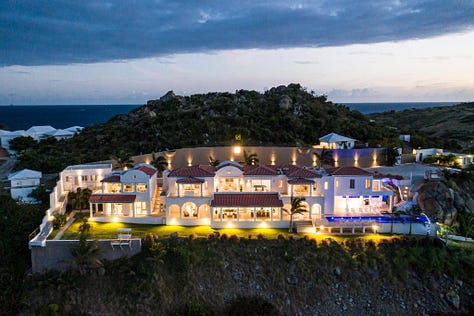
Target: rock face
x,y
285,102
445,200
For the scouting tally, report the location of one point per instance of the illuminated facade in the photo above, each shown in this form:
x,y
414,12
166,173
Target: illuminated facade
x,y
233,195
125,195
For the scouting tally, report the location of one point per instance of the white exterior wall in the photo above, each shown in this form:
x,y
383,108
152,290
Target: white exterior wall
x,y
135,177
75,173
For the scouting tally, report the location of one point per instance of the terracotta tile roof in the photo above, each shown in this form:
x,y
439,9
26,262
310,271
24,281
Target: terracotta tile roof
x,y
300,181
112,198
304,173
348,171
247,200
193,171
229,163
115,178
259,171
190,180
147,170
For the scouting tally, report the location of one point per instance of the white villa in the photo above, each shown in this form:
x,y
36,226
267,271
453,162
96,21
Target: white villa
x,y
232,195
126,195
37,133
23,182
463,160
336,141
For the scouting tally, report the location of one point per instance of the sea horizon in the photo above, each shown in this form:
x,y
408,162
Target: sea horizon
x,y
22,117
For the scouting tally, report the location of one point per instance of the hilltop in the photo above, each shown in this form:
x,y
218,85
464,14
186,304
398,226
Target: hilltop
x,y
284,116
450,127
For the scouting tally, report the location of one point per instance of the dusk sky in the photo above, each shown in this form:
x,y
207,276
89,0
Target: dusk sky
x,y
127,52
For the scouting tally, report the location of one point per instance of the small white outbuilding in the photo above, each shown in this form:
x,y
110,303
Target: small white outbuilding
x,y
23,182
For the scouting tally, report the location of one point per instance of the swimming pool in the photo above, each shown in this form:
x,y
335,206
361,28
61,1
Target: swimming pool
x,y
380,219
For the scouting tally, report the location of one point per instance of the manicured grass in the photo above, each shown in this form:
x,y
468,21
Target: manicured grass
x,y
109,231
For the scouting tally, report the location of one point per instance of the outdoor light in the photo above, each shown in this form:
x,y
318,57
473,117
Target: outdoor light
x,y
375,228
115,219
173,221
237,150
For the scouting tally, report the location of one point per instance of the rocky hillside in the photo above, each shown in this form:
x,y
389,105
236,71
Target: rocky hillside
x,y
237,276
451,200
285,115
450,127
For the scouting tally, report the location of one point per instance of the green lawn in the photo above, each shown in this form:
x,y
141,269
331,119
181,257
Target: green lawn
x,y
109,231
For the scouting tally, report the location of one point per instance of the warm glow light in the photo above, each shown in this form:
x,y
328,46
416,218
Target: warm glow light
x,y
375,228
115,219
173,221
321,228
263,224
237,150
229,224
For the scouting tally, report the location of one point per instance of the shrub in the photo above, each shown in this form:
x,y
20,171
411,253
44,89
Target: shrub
x,y
59,220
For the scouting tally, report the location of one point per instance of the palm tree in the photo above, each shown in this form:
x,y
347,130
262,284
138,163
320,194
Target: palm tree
x,y
250,159
122,160
159,162
324,158
297,207
86,252
213,162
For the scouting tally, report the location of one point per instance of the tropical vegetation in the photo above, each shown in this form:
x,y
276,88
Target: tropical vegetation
x,y
211,119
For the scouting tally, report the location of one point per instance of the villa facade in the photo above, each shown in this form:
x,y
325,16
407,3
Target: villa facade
x,y
232,195
126,195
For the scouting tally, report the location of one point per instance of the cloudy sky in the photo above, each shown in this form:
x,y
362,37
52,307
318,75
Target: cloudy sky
x,y
99,52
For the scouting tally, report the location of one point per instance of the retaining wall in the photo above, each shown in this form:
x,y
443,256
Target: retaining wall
x,y
56,254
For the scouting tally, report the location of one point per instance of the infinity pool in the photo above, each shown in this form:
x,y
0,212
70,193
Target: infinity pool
x,y
380,219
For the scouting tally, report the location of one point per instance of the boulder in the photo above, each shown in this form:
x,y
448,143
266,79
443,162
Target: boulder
x,y
285,102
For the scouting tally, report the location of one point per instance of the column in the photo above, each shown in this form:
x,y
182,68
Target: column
x,y
90,210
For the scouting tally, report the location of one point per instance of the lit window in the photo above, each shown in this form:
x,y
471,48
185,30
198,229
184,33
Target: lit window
x,y
352,184
326,185
280,183
67,178
83,178
128,187
94,177
367,183
376,185
141,187
337,183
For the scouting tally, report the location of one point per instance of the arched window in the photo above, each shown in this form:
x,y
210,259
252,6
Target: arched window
x,y
189,210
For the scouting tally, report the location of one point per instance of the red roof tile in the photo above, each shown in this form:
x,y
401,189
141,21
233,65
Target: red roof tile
x,y
348,171
112,179
300,181
190,180
193,171
259,171
147,170
112,198
304,173
247,200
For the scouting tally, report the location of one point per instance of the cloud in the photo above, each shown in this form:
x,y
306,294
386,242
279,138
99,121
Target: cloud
x,y
66,32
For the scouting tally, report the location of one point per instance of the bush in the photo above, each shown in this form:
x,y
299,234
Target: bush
x,y
59,220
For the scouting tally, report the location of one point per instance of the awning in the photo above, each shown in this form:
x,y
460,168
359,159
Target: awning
x,y
300,181
190,180
246,200
112,198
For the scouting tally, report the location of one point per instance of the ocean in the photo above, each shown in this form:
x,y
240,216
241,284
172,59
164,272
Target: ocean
x,y
63,116
22,117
